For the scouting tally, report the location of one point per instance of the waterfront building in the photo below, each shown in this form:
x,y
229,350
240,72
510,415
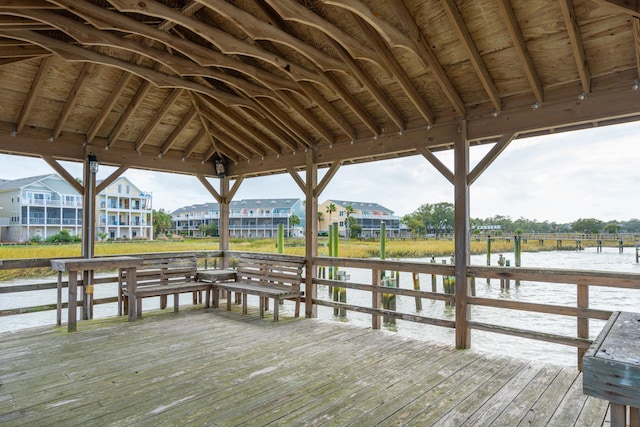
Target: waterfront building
x,y
367,215
41,206
247,218
124,211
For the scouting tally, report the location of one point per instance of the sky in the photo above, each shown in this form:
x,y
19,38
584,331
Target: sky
x,y
559,178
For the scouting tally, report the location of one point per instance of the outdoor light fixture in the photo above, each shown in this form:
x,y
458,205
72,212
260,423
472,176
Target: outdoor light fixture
x,y
219,167
636,85
51,138
535,105
495,113
93,163
582,96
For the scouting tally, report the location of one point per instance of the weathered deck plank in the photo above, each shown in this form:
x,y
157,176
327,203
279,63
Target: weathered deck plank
x,y
212,367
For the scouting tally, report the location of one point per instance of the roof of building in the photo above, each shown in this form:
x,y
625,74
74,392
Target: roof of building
x,y
15,184
362,206
240,204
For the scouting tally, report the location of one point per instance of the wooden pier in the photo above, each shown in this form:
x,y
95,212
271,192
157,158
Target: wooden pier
x,y
212,367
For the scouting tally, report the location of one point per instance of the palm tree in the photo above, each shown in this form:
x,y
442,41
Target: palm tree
x,y
320,218
349,210
331,207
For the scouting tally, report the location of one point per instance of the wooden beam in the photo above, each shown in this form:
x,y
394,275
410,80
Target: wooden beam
x,y
520,46
151,125
290,125
235,188
231,131
72,98
398,72
186,119
461,239
313,121
490,157
444,170
396,38
36,85
108,106
207,185
636,42
128,112
311,233
63,173
451,9
576,44
327,178
296,177
111,178
631,7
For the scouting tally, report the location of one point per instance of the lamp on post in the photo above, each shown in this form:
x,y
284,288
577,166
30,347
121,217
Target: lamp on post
x,y
219,167
93,163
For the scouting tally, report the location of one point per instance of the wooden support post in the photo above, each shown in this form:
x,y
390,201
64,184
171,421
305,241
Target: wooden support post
x,y
434,284
416,286
461,227
583,322
311,234
223,229
376,297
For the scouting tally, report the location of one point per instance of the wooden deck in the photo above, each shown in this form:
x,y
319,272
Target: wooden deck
x,y
212,367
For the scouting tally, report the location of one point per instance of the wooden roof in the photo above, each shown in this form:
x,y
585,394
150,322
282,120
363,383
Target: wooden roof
x,y
171,84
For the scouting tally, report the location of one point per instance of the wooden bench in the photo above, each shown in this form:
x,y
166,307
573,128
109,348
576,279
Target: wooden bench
x,y
159,277
278,277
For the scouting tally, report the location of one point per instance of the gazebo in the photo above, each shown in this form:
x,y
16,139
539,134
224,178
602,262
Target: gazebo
x,y
228,90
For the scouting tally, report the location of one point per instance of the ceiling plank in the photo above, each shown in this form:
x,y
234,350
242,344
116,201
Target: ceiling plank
x,y
274,126
636,41
186,119
313,121
72,98
569,16
25,4
294,129
520,46
33,93
392,63
229,130
151,125
474,55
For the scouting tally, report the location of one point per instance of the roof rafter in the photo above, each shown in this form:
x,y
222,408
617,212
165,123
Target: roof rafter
x,y
128,112
403,80
521,48
474,55
186,119
231,131
396,38
33,93
569,16
72,98
151,125
190,148
108,106
636,41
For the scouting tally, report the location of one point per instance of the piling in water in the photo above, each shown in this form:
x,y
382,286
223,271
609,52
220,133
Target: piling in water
x,y
416,286
280,243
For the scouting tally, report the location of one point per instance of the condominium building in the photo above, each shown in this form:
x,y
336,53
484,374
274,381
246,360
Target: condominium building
x,y
45,205
124,211
247,218
369,216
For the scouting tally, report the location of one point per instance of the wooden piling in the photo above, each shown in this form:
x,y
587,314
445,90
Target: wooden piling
x,y
517,252
434,285
416,286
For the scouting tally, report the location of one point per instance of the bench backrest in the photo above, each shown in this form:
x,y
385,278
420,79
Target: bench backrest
x,y
165,271
275,271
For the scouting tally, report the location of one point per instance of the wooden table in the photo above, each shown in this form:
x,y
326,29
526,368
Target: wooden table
x,y
611,367
75,265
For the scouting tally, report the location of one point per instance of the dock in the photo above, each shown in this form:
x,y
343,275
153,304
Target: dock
x,y
213,367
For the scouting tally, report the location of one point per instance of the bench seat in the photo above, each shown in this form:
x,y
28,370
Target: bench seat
x,y
267,276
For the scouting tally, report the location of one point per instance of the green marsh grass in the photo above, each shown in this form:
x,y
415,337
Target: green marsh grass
x,y
352,248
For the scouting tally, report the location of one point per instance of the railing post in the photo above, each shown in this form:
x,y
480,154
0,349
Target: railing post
x,y
583,322
376,297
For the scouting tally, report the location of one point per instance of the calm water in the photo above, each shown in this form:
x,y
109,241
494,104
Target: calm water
x,y
558,294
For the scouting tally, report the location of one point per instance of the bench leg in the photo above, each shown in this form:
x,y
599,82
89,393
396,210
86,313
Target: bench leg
x,y
163,302
244,303
228,300
298,307
207,298
139,307
176,302
216,297
276,309
261,299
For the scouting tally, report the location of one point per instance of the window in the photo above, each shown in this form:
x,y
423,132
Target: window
x,y
119,188
128,189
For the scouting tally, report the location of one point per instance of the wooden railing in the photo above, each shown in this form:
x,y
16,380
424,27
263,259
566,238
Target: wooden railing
x,y
206,259
578,315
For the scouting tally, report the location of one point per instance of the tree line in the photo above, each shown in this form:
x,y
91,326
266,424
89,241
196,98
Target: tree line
x,y
438,218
